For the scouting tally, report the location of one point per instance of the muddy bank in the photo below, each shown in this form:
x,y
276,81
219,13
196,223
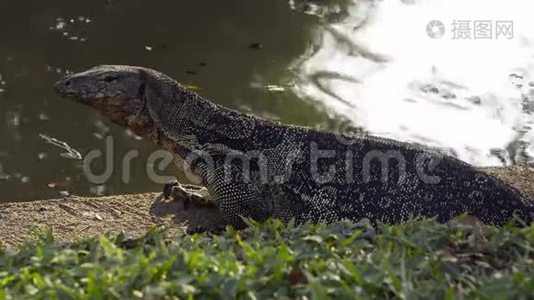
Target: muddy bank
x,y
78,217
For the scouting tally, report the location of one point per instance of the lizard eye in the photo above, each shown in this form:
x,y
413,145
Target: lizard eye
x,y
110,78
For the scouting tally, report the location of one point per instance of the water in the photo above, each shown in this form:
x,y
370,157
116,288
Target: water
x,y
231,50
472,97
371,66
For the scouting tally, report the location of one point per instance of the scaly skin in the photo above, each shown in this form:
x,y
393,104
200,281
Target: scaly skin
x,y
255,168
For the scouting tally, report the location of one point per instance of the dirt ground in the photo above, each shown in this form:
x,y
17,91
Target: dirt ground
x,y
74,218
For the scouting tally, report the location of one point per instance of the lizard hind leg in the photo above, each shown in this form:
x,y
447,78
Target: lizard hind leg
x,y
236,196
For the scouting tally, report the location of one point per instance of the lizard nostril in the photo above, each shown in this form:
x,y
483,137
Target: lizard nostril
x,y
67,82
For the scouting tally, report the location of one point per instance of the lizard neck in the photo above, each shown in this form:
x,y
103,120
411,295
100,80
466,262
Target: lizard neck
x,y
214,124
184,119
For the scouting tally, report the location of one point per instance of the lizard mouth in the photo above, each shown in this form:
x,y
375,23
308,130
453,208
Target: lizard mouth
x,y
64,88
68,94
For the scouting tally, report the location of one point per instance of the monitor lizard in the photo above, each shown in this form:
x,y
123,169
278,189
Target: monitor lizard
x,y
256,168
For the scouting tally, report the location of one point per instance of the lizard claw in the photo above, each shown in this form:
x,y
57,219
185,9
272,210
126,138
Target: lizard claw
x,y
177,192
169,187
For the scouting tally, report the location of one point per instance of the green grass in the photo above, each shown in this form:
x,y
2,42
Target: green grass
x,y
419,259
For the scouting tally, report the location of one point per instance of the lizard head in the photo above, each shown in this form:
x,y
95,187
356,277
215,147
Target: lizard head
x,y
116,91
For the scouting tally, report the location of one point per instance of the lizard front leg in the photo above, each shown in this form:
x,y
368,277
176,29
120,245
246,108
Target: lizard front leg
x,y
187,193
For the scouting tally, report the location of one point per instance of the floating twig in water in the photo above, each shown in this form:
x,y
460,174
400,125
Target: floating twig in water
x,y
71,153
